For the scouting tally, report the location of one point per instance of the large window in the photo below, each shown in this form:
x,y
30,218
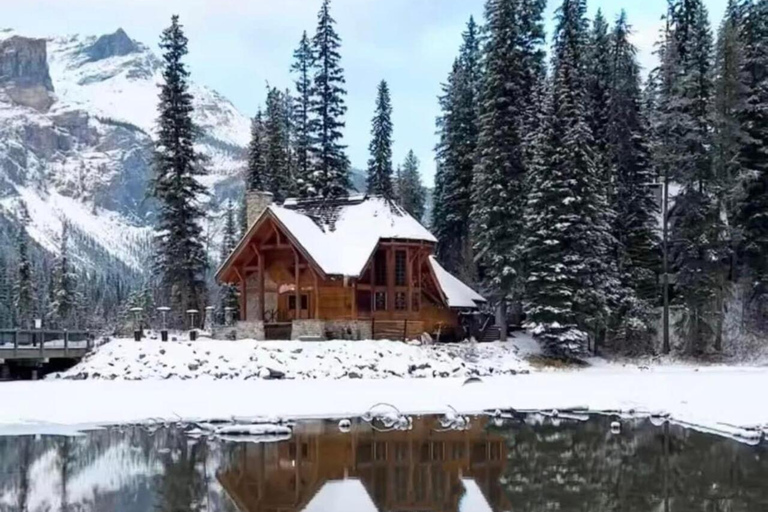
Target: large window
x,y
400,268
380,279
304,302
401,301
380,301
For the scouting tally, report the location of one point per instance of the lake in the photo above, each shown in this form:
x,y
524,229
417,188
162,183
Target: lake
x,y
530,462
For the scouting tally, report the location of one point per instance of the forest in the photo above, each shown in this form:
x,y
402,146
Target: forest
x,y
601,206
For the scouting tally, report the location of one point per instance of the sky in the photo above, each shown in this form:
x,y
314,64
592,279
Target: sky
x,y
239,46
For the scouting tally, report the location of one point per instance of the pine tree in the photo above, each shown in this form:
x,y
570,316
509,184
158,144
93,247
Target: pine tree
x,y
65,301
456,153
24,293
752,209
500,172
380,164
276,141
182,260
242,215
257,177
330,173
228,293
697,242
599,83
410,192
571,285
628,159
6,294
302,67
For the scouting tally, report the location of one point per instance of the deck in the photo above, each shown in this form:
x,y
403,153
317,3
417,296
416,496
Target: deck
x,y
16,345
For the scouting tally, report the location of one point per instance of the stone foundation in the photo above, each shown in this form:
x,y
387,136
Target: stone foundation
x,y
240,331
307,329
348,330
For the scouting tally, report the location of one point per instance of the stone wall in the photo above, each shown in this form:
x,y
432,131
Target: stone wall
x,y
241,331
349,329
256,202
308,329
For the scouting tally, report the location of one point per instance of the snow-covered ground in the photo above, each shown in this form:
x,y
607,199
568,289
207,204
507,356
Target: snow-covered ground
x,y
129,382
244,360
725,400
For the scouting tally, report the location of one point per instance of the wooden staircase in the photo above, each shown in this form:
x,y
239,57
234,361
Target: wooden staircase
x,y
491,333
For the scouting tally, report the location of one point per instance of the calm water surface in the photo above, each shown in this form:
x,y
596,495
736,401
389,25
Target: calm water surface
x,y
530,463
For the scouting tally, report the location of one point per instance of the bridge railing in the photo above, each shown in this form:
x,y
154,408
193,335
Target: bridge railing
x,y
44,341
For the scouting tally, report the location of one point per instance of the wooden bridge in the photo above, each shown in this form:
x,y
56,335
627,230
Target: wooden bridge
x,y
41,345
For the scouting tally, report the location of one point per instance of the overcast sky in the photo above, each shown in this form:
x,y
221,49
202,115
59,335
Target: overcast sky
x,y
237,46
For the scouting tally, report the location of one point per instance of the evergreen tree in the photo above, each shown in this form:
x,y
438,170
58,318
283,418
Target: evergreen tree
x,y
456,153
410,192
228,293
697,243
302,67
277,150
628,159
380,164
24,292
330,174
182,259
500,173
571,285
599,83
257,176
65,301
752,208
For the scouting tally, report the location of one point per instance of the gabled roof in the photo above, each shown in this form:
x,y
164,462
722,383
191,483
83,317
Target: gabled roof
x,y
457,294
341,496
340,239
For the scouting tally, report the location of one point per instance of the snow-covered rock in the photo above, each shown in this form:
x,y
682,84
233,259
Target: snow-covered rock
x,y
249,360
77,118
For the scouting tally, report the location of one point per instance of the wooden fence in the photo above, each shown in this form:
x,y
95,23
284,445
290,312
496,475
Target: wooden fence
x,y
44,344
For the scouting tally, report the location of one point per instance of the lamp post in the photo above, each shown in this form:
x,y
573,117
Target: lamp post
x,y
229,315
192,313
209,319
137,334
164,313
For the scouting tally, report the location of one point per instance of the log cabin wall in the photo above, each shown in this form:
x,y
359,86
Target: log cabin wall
x,y
396,286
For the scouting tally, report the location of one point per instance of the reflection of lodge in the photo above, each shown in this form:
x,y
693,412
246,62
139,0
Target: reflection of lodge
x,y
421,469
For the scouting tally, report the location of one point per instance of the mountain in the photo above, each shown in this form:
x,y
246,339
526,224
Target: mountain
x,y
77,116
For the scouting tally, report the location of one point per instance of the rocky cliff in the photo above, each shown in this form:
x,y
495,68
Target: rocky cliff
x,y
77,117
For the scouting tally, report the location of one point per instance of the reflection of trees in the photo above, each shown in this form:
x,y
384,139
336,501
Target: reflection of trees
x,y
181,487
582,467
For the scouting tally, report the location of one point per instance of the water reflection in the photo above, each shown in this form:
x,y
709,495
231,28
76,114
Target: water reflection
x,y
527,464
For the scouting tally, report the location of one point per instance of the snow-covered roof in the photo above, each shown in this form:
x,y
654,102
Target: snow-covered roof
x,y
342,243
458,294
341,496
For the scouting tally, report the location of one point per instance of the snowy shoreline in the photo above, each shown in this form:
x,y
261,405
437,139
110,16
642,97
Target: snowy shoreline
x,y
716,399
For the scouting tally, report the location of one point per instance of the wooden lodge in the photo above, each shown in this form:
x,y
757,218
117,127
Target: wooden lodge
x,y
358,268
423,469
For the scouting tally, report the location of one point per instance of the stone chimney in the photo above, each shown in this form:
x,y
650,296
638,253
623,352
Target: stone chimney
x,y
256,202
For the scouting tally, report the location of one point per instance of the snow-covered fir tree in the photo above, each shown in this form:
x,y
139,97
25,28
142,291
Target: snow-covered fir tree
x,y
598,84
409,190
257,176
181,256
379,180
24,289
6,293
302,68
752,206
627,156
65,294
500,171
571,285
277,146
330,165
456,152
697,236
228,295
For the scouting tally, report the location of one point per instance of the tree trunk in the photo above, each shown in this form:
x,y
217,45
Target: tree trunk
x,y
501,319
